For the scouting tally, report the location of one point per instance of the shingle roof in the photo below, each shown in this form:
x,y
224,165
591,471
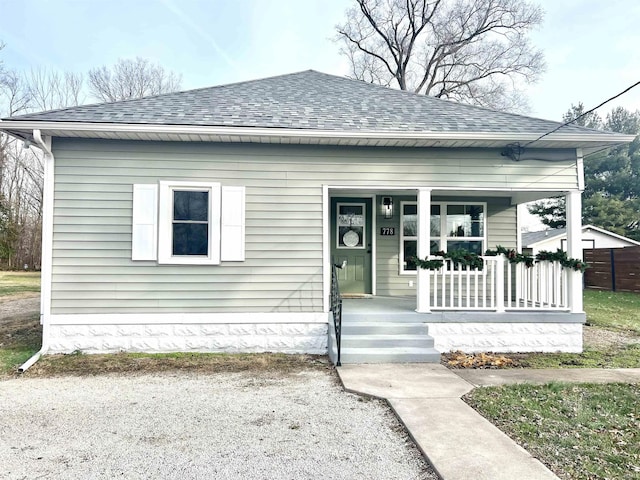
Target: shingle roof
x,y
305,100
529,238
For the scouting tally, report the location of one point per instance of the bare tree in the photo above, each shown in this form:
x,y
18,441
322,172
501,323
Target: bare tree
x,y
14,93
131,79
20,182
472,51
21,169
50,89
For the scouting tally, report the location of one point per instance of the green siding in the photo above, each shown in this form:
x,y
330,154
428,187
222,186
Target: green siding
x,y
92,267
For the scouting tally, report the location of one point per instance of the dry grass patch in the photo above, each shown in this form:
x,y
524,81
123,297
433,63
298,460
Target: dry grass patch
x,y
135,363
460,359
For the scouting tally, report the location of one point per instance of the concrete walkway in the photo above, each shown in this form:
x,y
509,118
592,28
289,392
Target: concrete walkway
x,y
457,441
487,378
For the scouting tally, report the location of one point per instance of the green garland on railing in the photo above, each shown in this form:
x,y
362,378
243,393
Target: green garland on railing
x,y
512,256
459,258
464,258
561,257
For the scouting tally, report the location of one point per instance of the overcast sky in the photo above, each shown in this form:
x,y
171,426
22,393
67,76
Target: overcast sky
x,y
591,46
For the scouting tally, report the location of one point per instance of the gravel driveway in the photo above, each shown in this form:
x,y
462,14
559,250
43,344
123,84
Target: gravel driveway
x,y
227,426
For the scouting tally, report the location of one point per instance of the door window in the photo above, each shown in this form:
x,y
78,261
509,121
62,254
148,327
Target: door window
x,y
351,228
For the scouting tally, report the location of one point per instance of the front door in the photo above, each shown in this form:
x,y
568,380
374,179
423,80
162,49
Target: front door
x,y
351,241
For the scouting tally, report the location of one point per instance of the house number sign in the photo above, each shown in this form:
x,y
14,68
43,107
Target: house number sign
x,y
387,231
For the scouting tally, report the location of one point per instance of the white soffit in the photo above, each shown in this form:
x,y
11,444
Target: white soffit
x,y
182,133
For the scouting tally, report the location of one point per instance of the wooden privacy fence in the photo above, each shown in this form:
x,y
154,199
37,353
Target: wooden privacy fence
x,y
616,269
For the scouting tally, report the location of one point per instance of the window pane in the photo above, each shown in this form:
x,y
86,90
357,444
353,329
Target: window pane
x,y
351,215
410,225
465,221
410,251
410,220
435,220
473,246
190,239
410,209
435,247
190,205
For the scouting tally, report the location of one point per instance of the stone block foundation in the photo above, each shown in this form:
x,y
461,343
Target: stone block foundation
x,y
184,337
507,337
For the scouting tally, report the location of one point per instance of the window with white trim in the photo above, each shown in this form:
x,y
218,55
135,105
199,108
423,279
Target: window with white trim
x,y
454,226
195,223
189,223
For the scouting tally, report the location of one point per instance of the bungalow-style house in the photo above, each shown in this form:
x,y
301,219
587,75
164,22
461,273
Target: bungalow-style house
x,y
556,238
211,220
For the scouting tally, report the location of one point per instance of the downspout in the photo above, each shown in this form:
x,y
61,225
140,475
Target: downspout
x,y
47,247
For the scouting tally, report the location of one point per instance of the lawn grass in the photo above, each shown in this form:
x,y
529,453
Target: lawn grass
x,y
19,339
624,356
12,283
613,310
580,431
20,336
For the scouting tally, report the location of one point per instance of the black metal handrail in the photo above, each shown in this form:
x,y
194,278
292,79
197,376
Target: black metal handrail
x,y
336,307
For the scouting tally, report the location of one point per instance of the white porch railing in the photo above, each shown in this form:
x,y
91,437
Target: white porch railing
x,y
499,286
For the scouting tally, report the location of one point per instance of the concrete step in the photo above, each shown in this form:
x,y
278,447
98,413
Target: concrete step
x,y
389,355
385,317
387,341
383,328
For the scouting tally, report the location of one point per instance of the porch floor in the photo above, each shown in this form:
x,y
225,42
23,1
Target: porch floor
x,y
380,305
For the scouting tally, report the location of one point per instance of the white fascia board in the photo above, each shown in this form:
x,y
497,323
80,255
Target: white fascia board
x,y
588,140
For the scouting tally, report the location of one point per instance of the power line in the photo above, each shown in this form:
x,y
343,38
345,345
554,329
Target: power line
x,y
583,114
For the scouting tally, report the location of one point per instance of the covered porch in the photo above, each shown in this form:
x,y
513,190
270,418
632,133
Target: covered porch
x,y
393,310
376,235
500,285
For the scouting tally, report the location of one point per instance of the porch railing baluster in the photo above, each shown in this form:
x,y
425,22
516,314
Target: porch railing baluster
x,y
499,286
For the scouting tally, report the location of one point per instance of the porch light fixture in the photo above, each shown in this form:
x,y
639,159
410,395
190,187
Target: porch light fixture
x,y
387,206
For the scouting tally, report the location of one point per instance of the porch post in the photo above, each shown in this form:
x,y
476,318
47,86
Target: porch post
x,y
424,248
574,248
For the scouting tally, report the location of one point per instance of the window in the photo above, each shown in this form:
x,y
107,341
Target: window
x,y
190,232
454,226
408,236
188,223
